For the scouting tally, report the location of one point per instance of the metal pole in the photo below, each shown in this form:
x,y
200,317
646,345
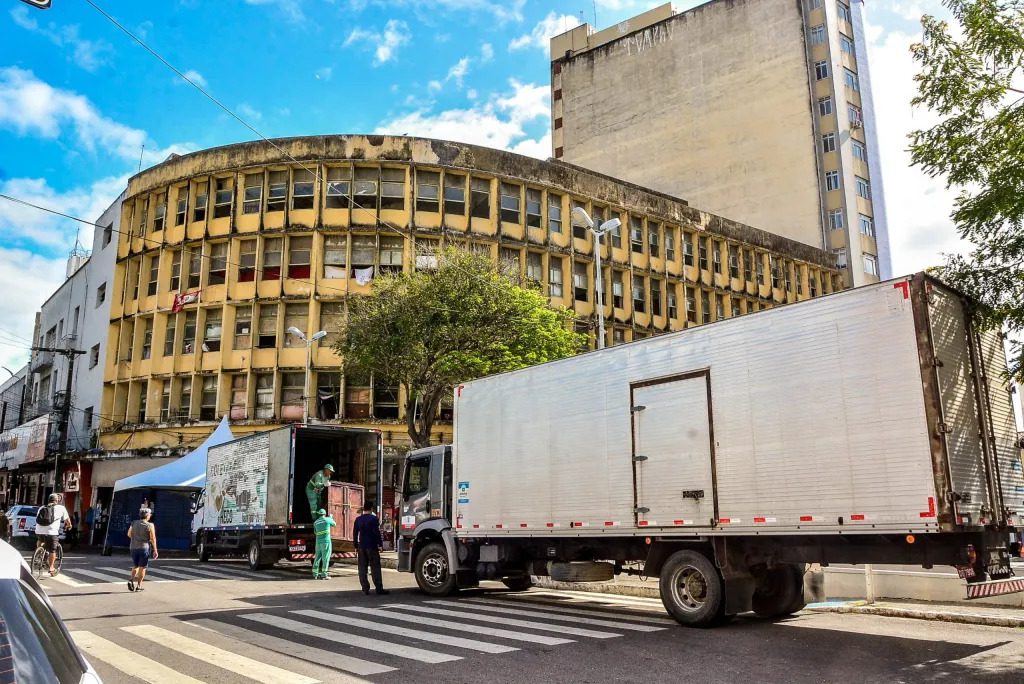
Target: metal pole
x,y
65,417
305,389
600,288
869,584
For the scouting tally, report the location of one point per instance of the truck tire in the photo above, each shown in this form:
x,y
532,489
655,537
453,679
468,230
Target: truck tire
x,y
520,583
582,571
691,589
202,551
433,575
779,592
255,557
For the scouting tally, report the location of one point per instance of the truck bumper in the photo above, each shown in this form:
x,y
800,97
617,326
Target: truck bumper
x,y
998,587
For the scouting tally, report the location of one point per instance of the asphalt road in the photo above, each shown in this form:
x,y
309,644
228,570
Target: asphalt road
x,y
219,622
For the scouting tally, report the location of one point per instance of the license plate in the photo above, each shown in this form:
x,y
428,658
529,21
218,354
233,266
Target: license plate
x,y
299,547
965,571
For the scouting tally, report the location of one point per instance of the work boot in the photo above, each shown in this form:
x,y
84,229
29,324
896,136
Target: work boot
x,y
383,592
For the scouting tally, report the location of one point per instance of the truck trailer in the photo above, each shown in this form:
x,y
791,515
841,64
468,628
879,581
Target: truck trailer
x,y
873,425
255,501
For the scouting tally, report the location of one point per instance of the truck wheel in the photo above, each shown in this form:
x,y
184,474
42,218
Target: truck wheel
x,y
520,583
432,572
255,556
202,551
779,592
691,589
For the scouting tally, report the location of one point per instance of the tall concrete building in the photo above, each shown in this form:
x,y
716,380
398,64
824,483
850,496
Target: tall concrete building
x,y
759,110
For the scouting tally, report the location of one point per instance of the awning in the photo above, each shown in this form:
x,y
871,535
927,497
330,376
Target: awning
x,y
188,472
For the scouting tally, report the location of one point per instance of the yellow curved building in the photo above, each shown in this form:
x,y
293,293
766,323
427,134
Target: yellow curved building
x,y
221,251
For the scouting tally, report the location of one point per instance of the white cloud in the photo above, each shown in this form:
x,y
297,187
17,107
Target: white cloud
x,y
502,10
435,86
26,279
323,73
458,71
88,54
472,94
551,25
248,112
385,43
195,77
486,52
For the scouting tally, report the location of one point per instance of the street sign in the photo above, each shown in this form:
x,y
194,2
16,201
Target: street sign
x,y
39,4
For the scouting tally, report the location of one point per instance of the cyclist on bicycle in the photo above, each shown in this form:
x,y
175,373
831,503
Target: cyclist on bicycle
x,y
49,521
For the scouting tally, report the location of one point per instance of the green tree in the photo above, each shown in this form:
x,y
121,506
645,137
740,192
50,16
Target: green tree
x,y
972,77
430,330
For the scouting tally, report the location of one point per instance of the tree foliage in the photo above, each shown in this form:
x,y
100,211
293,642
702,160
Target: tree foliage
x,y
972,76
430,330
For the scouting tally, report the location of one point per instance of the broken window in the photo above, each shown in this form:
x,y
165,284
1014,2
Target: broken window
x,y
673,310
428,191
654,238
247,261
147,338
705,307
328,391
734,262
357,396
639,296
636,234
534,267
332,316
366,187
277,191
454,194
748,265
426,254
385,400
239,397
687,249
339,187
253,193
292,396
299,249
655,298
391,254
509,258
188,338
670,244
691,305
271,269
392,188
579,282
208,398
618,289
182,208
268,327
185,398
160,213
169,333
364,249
335,249
555,276
154,275
243,327
264,396
579,231
480,198
212,330
303,183
716,251
199,210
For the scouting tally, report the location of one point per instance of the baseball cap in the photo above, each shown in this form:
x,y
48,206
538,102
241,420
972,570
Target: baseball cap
x,y
321,512
329,467
145,511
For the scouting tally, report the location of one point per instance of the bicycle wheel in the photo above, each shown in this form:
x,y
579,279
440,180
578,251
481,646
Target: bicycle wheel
x,y
60,559
39,565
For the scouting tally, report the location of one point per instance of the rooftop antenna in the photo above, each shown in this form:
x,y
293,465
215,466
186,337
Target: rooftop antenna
x,y
141,152
595,14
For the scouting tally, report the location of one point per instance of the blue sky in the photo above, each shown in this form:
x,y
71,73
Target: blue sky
x,y
79,99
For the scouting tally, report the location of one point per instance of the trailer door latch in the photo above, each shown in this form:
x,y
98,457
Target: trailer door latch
x,y
636,409
642,510
639,458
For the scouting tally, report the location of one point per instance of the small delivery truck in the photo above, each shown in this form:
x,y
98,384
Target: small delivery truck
x,y
873,425
255,501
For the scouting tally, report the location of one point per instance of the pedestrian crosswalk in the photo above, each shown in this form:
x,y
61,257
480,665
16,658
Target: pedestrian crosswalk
x,y
347,642
177,571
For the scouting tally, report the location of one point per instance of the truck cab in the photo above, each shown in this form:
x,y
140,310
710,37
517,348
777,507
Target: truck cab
x,y
425,523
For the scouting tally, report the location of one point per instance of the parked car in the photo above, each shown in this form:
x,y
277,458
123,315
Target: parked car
x,y
23,521
38,645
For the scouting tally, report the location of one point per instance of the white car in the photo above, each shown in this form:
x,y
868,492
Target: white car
x,y
23,521
34,642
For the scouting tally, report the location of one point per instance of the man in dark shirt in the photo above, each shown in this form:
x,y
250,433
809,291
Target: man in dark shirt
x,y
367,539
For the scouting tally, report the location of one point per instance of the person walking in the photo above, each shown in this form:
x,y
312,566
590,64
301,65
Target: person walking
x,y
320,480
142,544
50,520
322,559
368,542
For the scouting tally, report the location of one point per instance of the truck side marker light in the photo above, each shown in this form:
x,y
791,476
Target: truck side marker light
x,y
643,523
857,516
523,525
500,526
458,526
729,521
682,522
551,524
609,523
806,518
930,513
764,520
911,539
647,540
476,526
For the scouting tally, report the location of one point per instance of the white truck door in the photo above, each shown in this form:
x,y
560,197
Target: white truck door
x,y
672,451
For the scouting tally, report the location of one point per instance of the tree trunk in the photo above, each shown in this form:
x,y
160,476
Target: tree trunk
x,y
419,431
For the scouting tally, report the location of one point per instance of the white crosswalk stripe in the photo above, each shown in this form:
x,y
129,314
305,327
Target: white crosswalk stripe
x,y
104,576
498,620
459,642
575,618
64,579
127,661
152,575
569,610
459,626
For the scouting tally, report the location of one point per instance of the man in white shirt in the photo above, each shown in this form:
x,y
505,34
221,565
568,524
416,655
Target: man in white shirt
x,y
47,534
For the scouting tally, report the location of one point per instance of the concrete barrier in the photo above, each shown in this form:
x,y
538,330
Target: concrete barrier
x,y
916,585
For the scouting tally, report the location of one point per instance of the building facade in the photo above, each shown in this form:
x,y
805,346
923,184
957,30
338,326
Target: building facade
x,y
222,251
759,110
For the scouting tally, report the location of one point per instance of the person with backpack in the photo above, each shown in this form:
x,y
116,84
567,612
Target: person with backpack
x,y
50,519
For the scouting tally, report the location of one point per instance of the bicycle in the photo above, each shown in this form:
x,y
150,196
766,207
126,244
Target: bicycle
x,y
41,560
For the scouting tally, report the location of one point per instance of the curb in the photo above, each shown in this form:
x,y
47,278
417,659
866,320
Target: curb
x,y
862,608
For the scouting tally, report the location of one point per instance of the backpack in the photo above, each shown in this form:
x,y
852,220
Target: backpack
x,y
45,515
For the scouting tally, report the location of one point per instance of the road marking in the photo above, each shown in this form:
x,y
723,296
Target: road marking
x,y
596,597
103,576
459,626
317,656
543,626
547,607
459,642
210,573
239,664
130,663
161,572
64,579
348,639
505,610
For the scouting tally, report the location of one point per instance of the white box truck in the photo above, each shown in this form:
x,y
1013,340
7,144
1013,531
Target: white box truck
x,y
873,425
255,501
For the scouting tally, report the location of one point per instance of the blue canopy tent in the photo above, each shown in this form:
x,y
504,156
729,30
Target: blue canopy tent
x,y
169,489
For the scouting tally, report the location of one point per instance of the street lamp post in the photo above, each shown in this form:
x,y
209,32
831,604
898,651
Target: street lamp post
x,y
580,217
309,361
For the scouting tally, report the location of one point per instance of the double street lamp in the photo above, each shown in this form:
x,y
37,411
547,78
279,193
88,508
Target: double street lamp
x,y
580,217
309,360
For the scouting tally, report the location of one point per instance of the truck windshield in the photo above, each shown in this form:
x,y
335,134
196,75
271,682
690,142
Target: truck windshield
x,y
417,476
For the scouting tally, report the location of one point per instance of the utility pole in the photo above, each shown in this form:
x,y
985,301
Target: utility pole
x,y
65,409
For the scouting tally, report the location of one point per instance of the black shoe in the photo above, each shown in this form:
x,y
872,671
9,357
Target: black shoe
x,y
366,591
383,592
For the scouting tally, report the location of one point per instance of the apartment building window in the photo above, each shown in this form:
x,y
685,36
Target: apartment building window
x,y
859,151
716,255
554,213
366,187
851,81
243,327
212,330
846,44
218,264
454,194
175,282
719,307
428,191
687,249
335,248
835,219
246,261
510,202
299,249
734,262
385,400
812,284
533,204
818,34
821,70
636,234
195,264
871,264
253,194
364,252
691,305
786,274
828,142
815,4
154,275
773,268
392,189
844,13
579,282
673,310
390,254
199,208
855,115
277,191
748,265
208,398
618,336
170,328
840,255
339,187
264,396
655,297
101,294
534,267
357,396
832,180
295,316
426,254
188,337
760,269
508,258
134,273
94,356
108,234
867,225
332,315
799,280
223,196
181,209
239,397
618,288
654,239
863,188
303,185
639,295
670,244
160,212
271,269
579,230
825,105
555,276
480,198
267,338
702,254
705,307
144,216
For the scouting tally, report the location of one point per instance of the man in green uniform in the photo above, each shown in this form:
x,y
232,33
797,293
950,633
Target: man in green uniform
x,y
322,560
316,485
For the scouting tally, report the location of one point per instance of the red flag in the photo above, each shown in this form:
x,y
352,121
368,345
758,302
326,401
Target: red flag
x,y
183,298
